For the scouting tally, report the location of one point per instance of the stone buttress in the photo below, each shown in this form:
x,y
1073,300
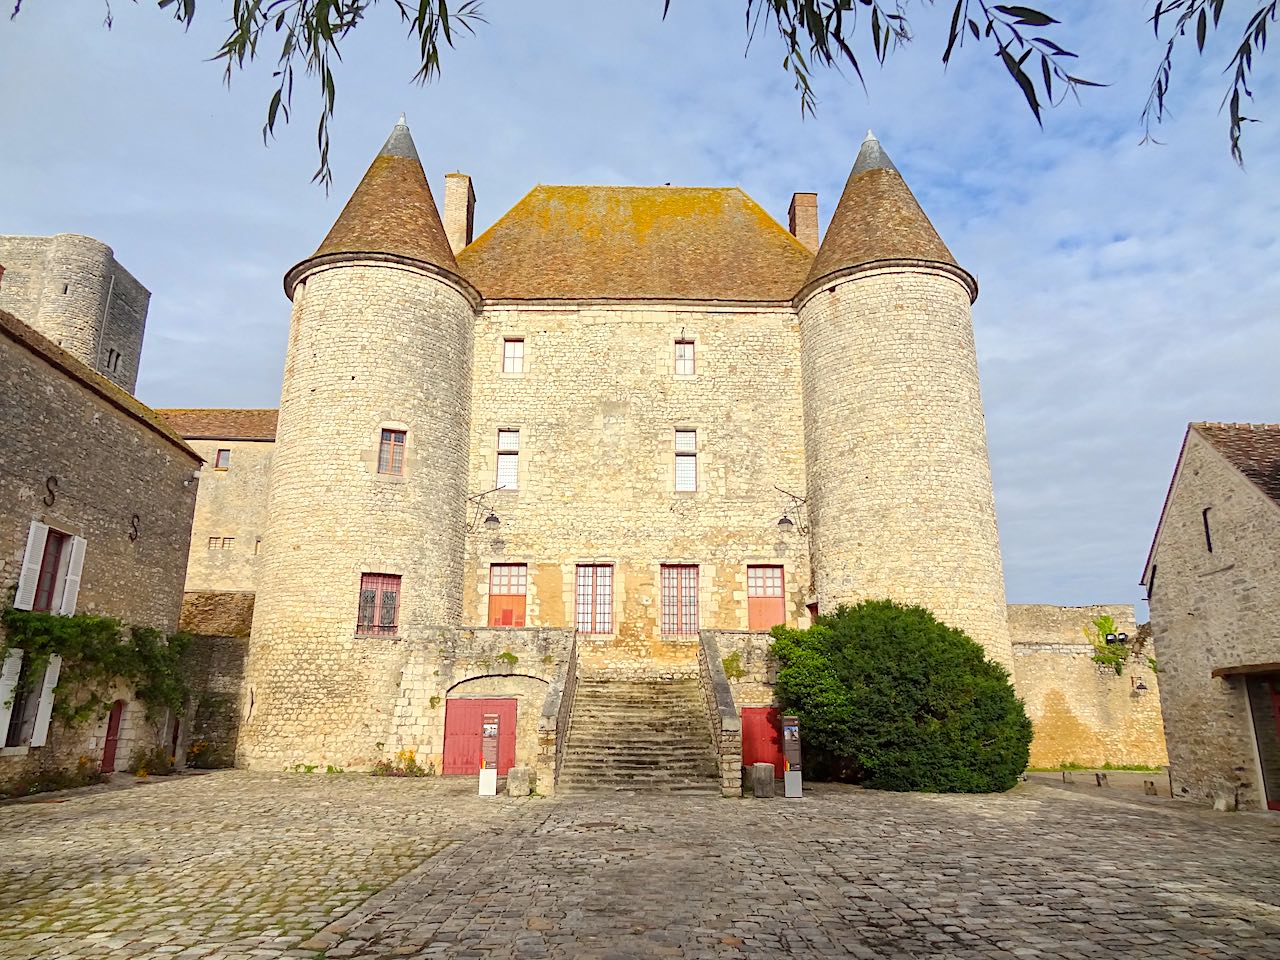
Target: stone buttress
x,y
899,485
381,338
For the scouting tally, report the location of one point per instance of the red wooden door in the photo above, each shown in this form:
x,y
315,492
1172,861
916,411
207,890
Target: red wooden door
x,y
762,737
463,717
113,737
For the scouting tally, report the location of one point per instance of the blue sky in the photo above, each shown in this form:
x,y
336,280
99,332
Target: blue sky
x,y
1126,289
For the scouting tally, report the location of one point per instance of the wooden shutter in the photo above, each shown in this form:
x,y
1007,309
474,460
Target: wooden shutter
x,y
44,710
10,670
71,587
30,575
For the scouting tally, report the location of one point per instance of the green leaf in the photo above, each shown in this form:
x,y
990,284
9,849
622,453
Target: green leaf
x,y
1027,16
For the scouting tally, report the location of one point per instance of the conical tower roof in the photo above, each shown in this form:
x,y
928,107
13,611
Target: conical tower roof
x,y
391,212
879,219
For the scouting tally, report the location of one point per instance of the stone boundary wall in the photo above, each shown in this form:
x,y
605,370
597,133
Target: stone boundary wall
x,y
754,688
722,715
214,669
553,733
1081,711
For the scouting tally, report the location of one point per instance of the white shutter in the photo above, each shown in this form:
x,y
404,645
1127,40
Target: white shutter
x,y
71,587
9,672
45,708
30,575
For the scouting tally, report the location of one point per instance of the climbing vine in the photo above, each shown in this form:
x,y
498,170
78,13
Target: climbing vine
x,y
97,653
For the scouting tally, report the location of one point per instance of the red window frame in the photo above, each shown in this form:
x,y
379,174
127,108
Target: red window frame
x,y
508,586
391,452
222,459
55,545
679,599
378,610
594,593
766,596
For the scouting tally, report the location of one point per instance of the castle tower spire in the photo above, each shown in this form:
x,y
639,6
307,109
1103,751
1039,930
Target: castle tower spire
x,y
899,487
391,214
878,219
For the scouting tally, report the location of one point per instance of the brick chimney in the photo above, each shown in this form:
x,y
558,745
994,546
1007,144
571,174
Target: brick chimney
x,y
802,219
460,210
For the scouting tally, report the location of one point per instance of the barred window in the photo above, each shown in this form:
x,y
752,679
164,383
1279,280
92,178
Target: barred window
x,y
595,598
379,604
508,459
391,452
686,460
679,599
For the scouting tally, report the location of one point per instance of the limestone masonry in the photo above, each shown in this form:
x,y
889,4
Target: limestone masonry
x,y
620,427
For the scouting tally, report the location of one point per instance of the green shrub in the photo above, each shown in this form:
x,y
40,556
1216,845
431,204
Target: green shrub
x,y
156,762
889,697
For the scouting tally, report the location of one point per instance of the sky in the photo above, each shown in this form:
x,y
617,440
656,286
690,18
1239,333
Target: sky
x,y
1126,288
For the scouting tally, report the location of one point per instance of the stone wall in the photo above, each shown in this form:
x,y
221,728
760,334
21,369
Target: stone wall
x,y
749,668
1081,711
1213,611
232,504
118,483
371,346
214,669
597,406
900,500
722,715
71,289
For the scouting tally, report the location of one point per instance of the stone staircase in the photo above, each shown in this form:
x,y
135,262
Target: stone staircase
x,y
643,736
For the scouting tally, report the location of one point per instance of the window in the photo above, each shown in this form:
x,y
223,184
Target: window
x,y
508,459
508,583
1151,581
595,598
684,358
221,543
679,600
222,459
513,355
391,452
113,360
379,604
1208,539
26,708
51,569
686,460
766,600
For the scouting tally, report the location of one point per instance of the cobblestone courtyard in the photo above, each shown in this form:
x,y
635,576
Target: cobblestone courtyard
x,y
247,866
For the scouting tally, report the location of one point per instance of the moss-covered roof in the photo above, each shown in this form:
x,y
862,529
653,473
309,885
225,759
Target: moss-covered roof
x,y
391,212
40,345
877,219
636,243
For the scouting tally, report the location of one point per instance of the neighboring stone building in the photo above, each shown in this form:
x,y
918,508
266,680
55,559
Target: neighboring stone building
x,y
1082,711
621,416
96,498
71,289
1213,582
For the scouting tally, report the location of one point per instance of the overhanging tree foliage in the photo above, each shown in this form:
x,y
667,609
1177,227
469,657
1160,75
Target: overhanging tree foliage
x,y
814,33
892,698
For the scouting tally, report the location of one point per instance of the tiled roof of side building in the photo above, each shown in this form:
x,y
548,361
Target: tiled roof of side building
x,y
1252,448
127,403
223,423
636,243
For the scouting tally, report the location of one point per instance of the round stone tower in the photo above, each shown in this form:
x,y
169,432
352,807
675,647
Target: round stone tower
x,y
364,544
899,484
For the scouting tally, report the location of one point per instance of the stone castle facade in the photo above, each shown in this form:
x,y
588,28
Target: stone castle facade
x,y
618,418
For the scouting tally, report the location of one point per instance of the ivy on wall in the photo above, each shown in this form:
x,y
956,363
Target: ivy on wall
x,y
97,654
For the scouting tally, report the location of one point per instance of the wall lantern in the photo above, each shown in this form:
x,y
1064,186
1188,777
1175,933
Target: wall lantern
x,y
1138,684
1117,638
492,521
786,524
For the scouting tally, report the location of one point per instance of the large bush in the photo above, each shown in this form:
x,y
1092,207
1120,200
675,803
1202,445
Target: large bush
x,y
889,697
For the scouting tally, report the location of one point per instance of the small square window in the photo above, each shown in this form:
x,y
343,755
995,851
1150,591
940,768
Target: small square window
x,y
513,355
684,358
391,452
222,459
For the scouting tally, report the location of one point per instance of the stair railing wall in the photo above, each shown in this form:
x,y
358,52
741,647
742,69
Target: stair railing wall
x,y
722,714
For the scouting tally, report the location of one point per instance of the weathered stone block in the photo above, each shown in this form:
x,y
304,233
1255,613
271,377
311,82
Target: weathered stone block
x,y
762,782
520,781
